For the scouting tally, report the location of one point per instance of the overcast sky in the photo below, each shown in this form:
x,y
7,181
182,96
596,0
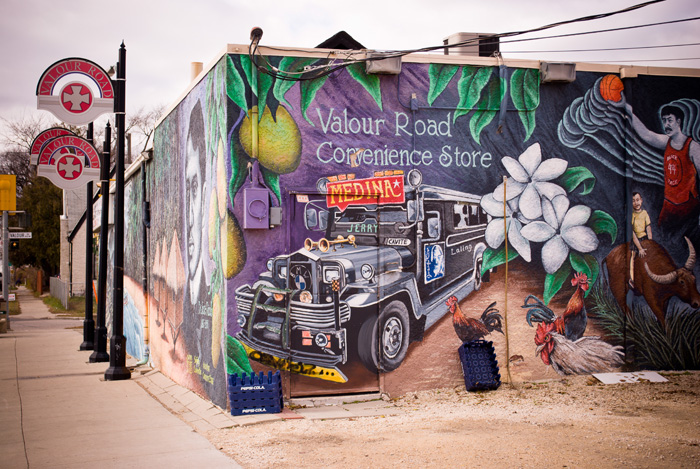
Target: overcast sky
x,y
163,37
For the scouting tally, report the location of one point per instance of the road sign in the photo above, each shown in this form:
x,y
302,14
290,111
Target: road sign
x,y
20,235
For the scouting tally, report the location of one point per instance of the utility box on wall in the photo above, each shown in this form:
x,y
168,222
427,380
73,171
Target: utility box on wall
x,y
256,202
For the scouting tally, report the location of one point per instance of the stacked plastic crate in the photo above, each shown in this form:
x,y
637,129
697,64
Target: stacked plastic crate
x,y
479,365
255,394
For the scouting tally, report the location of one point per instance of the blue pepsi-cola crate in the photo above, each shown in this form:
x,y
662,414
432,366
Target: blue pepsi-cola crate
x,y
479,365
255,394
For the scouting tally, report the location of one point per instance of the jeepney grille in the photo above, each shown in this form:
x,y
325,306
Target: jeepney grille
x,y
302,315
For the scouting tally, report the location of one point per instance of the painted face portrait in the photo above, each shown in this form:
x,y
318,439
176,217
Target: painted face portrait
x,y
637,202
193,201
671,124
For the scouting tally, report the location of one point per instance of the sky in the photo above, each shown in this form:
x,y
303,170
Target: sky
x,y
163,37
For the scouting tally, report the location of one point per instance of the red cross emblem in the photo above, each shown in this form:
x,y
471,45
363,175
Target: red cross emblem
x,y
69,166
76,97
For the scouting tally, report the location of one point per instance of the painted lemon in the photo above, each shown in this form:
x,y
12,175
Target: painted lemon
x,y
221,185
215,329
233,251
279,141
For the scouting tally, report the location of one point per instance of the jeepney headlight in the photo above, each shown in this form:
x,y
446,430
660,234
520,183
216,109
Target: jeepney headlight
x,y
330,274
270,264
321,340
241,321
305,297
367,271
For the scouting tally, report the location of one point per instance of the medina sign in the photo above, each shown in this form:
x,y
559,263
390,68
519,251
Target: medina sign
x,y
77,91
69,162
43,138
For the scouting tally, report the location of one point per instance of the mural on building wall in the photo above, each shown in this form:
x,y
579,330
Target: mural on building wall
x,y
402,198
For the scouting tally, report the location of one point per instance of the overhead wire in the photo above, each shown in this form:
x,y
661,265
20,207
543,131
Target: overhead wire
x,y
604,49
314,72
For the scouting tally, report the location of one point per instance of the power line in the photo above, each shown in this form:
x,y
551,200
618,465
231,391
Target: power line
x,y
598,50
601,30
646,60
323,70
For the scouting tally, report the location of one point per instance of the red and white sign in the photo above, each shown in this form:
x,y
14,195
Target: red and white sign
x,y
69,162
377,190
43,138
67,89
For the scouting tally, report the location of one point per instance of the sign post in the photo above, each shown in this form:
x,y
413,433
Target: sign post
x,y
8,202
100,354
88,322
117,350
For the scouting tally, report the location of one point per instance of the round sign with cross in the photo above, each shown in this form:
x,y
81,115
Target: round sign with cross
x,y
77,91
69,162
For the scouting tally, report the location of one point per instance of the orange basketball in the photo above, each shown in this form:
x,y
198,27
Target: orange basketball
x,y
611,88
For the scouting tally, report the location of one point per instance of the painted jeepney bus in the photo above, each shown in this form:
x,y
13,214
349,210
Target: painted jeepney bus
x,y
390,253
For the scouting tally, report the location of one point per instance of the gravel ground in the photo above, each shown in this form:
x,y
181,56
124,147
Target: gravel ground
x,y
575,422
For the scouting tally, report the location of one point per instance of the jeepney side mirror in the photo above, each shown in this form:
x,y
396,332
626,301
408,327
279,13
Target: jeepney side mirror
x,y
310,219
323,220
414,211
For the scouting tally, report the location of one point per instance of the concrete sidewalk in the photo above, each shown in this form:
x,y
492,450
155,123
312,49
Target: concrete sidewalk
x,y
56,410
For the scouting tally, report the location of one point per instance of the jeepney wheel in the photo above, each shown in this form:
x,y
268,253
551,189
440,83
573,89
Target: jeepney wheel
x,y
383,341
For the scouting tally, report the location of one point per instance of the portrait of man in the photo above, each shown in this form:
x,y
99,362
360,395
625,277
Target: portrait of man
x,y
681,166
195,167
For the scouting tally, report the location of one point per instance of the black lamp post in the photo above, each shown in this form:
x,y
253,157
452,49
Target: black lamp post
x,y
100,354
117,357
88,323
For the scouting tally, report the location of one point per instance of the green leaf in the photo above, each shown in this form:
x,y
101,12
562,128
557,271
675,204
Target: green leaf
x,y
247,67
602,222
236,357
370,83
470,85
440,76
235,86
495,257
525,93
239,171
554,282
272,180
308,93
491,103
290,64
574,177
585,264
264,85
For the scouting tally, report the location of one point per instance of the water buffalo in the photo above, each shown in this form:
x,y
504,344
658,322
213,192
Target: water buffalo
x,y
656,277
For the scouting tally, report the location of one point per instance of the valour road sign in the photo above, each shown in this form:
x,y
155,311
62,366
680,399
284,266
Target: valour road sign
x,y
43,138
67,89
69,162
20,235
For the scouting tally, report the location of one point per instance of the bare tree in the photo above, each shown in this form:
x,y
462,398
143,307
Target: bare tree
x,y
143,123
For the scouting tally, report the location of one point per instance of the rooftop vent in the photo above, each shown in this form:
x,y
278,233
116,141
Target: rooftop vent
x,y
479,44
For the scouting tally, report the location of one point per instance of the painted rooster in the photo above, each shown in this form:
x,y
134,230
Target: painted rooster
x,y
469,329
583,356
572,322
